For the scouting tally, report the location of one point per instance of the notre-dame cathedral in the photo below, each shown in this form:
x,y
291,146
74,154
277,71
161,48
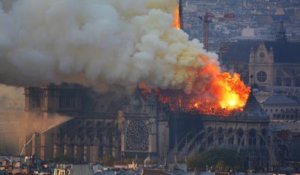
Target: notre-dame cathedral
x,y
102,124
125,125
138,125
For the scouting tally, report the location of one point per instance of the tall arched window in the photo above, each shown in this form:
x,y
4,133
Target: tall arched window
x,y
252,137
240,134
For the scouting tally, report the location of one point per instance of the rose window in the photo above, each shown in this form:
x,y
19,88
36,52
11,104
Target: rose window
x,y
137,136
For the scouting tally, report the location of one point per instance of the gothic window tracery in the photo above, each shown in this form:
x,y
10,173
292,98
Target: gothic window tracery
x,y
220,135
252,137
137,136
240,134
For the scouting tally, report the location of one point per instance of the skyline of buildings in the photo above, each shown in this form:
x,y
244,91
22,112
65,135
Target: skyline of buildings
x,y
256,19
138,125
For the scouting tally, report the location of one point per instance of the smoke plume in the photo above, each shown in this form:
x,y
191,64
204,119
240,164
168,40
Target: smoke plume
x,y
114,42
11,98
16,124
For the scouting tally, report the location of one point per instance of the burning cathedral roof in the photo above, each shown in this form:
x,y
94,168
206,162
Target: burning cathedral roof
x,y
251,112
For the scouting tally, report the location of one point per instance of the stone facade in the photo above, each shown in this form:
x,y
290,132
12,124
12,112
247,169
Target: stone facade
x,y
272,69
249,138
137,125
102,124
261,66
281,108
265,65
247,132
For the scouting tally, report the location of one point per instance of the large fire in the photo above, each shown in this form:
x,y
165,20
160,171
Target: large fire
x,y
213,92
207,90
220,93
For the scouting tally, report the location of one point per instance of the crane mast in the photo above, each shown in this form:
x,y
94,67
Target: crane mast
x,y
206,20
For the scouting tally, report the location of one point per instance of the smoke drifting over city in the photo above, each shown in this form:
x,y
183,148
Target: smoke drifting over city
x,y
96,42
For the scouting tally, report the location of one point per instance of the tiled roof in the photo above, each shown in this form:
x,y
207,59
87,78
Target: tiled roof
x,y
239,51
277,99
252,110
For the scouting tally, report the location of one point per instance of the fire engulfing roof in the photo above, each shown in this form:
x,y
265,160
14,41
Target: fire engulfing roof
x,y
252,112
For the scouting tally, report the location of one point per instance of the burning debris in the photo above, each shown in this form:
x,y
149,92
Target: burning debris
x,y
106,43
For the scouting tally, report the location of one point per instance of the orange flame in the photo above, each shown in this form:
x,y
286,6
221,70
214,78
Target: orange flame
x,y
213,92
176,18
206,90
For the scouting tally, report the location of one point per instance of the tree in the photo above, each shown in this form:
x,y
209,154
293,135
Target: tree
x,y
219,159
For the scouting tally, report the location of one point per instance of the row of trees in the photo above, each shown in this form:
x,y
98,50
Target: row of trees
x,y
216,160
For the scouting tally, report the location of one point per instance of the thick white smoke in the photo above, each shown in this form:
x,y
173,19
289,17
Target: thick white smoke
x,y
117,42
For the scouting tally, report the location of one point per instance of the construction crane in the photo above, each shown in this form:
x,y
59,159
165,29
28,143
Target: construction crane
x,y
180,4
206,19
